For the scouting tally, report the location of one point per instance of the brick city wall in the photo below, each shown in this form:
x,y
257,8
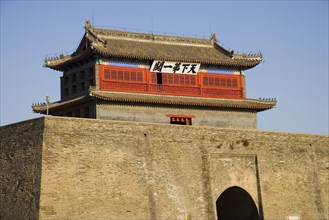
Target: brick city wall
x,y
203,117
20,169
129,170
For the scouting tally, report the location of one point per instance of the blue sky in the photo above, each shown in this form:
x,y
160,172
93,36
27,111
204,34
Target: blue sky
x,y
292,35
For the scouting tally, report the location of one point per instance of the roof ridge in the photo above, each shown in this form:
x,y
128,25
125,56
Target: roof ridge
x,y
158,42
150,37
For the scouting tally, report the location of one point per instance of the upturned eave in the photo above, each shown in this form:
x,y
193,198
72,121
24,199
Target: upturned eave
x,y
61,62
252,105
149,46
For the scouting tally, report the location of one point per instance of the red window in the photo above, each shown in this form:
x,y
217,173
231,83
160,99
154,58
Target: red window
x,y
226,81
133,76
113,74
170,79
175,79
106,74
122,74
234,83
222,82
180,119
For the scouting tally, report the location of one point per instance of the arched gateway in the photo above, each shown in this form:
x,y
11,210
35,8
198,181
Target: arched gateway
x,y
236,204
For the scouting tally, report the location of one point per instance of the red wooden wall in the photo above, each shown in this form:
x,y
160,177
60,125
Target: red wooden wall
x,y
141,80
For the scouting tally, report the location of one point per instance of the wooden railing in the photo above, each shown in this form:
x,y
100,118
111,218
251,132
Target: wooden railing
x,y
179,90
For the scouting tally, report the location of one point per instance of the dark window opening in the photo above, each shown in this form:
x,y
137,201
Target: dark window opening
x,y
82,86
159,81
91,72
74,89
66,92
66,81
77,113
74,78
159,78
82,75
91,82
86,112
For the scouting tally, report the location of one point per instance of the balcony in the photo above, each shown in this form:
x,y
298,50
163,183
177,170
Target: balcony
x,y
164,89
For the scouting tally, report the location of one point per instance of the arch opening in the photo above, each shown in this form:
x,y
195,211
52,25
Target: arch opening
x,y
236,204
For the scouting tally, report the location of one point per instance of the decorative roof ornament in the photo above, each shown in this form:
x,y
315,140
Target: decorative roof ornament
x,y
232,53
88,25
213,37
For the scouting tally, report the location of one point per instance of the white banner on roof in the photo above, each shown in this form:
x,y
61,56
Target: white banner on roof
x,y
175,67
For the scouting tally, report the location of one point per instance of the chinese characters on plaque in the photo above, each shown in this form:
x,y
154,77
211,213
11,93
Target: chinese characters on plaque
x,y
175,67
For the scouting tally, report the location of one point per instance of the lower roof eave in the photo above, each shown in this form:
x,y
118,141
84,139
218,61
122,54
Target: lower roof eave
x,y
250,105
60,63
154,99
42,108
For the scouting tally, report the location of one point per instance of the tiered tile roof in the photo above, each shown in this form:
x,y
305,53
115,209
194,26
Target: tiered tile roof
x,y
152,99
123,44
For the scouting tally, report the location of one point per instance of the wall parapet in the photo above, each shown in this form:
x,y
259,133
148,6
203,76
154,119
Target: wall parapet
x,y
135,170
